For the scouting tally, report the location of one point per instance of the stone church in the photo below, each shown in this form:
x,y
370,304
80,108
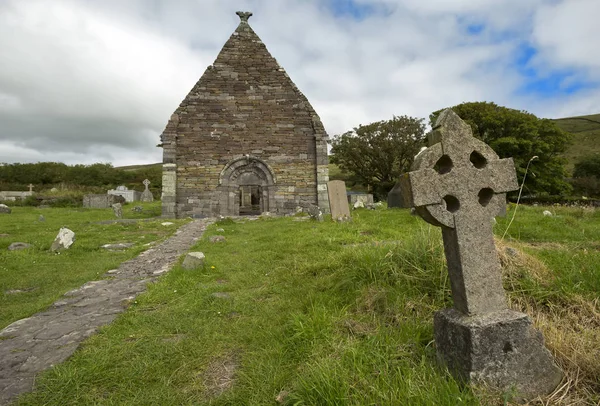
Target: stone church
x,y
245,140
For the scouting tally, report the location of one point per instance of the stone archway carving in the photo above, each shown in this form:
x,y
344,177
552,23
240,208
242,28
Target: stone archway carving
x,y
246,171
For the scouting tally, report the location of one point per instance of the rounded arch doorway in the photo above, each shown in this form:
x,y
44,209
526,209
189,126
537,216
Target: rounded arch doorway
x,y
248,183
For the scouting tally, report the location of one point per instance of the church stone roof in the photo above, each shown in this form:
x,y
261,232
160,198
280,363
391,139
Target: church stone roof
x,y
242,78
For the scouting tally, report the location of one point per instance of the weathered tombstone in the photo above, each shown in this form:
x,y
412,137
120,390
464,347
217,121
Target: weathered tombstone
x,y
118,210
101,201
338,203
147,194
364,198
395,198
63,240
5,209
459,184
315,212
124,192
30,188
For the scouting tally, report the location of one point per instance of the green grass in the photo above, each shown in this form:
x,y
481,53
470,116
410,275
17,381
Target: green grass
x,y
322,314
43,276
586,137
568,243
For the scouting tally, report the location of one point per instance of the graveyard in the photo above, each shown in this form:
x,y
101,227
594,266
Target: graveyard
x,y
242,269
288,310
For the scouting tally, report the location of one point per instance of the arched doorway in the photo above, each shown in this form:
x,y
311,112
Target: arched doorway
x,y
247,187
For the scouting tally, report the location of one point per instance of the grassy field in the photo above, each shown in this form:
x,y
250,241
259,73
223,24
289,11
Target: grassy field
x,y
32,279
305,313
586,136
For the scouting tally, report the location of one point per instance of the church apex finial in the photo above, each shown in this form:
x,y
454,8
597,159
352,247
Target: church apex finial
x,y
244,16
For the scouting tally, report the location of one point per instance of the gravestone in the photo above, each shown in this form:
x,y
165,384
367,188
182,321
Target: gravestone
x,y
395,198
118,210
5,209
364,198
147,194
101,201
128,195
338,203
460,185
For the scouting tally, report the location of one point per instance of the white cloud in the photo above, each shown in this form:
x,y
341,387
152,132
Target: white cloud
x,y
86,81
568,33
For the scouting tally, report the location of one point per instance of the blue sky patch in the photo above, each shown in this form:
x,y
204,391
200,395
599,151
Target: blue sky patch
x,y
547,84
350,8
475,29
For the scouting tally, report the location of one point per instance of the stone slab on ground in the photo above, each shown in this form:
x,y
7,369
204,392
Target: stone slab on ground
x,y
16,246
31,345
193,260
63,240
118,246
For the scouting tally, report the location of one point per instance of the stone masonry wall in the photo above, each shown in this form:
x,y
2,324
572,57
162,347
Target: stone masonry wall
x,y
244,105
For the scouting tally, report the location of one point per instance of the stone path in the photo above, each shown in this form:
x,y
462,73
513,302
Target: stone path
x,y
31,345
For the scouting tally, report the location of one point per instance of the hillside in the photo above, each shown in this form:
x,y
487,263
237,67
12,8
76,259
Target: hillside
x,y
136,167
586,136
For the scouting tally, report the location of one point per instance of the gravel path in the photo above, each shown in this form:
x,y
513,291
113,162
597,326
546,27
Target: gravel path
x,y
31,345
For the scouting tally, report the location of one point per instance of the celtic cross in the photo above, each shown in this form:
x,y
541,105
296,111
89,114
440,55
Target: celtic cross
x,y
244,15
460,185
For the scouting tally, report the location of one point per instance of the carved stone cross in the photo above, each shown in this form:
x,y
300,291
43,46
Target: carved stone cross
x,y
460,185
30,187
244,15
146,183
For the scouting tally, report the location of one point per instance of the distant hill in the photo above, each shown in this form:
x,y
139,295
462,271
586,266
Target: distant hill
x,y
586,136
136,167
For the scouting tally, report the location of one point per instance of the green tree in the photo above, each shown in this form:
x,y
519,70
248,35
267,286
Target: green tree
x,y
378,153
586,175
521,135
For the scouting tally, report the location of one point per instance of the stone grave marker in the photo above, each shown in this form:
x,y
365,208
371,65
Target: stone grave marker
x,y
101,201
395,198
147,194
338,202
118,210
128,195
364,198
460,185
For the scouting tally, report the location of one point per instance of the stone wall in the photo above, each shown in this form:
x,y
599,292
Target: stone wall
x,y
244,107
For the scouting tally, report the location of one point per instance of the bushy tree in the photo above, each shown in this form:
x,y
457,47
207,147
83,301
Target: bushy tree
x,y
521,135
586,175
377,153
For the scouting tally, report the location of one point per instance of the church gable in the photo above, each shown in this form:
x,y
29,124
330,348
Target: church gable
x,y
244,106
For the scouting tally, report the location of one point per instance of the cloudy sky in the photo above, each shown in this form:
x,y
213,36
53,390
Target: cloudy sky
x,y
84,81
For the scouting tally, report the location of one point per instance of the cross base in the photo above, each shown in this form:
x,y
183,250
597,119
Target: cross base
x,y
500,350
